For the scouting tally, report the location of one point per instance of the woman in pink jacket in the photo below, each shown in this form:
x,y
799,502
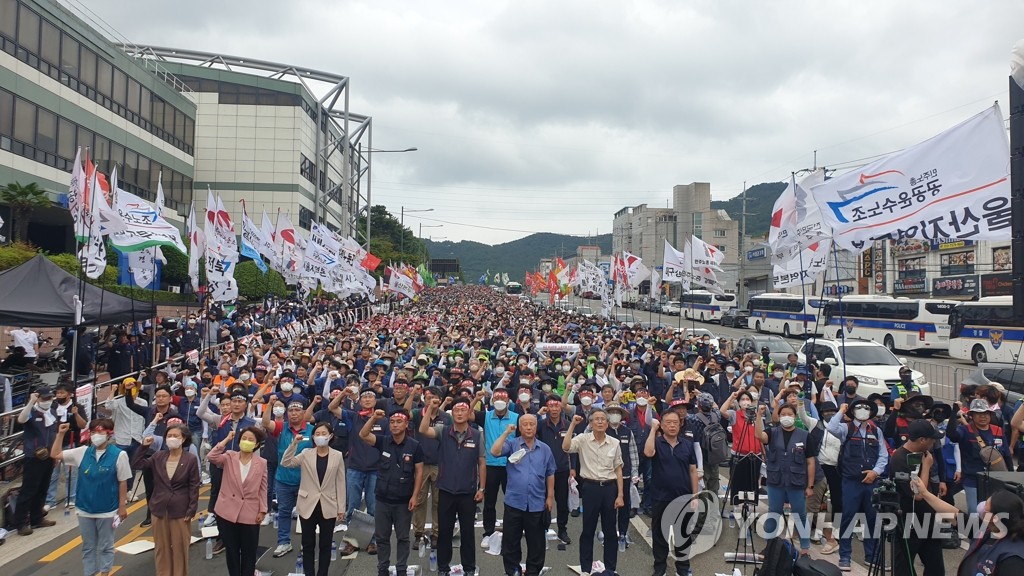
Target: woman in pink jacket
x,y
242,503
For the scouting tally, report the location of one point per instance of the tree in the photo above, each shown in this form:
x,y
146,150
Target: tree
x,y
386,240
255,285
23,200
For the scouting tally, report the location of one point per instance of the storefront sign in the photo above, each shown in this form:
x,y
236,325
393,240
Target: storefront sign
x,y
909,286
997,284
959,286
910,247
757,254
878,253
835,290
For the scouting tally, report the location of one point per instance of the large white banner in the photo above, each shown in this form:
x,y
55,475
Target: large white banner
x,y
796,219
144,226
676,266
954,185
197,248
804,267
400,283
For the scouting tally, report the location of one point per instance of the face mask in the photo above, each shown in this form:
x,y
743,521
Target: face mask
x,y
45,405
778,373
744,404
706,341
851,390
240,363
499,371
862,413
173,443
287,387
190,392
247,446
524,382
730,370
191,322
546,387
641,401
748,369
98,439
525,397
582,381
500,405
279,411
244,377
881,411
223,373
906,378
757,362
321,440
787,421
586,400
522,362
600,371
614,419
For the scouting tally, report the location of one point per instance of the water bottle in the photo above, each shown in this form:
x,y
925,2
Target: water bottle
x,y
600,536
433,560
275,520
298,565
67,512
732,520
209,548
424,544
622,543
334,550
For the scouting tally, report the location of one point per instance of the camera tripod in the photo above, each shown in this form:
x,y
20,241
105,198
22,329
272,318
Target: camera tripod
x,y
747,500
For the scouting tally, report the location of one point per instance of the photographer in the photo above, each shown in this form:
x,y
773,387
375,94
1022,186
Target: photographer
x,y
745,467
914,459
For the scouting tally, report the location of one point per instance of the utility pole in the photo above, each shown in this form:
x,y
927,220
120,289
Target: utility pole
x,y
740,288
1017,186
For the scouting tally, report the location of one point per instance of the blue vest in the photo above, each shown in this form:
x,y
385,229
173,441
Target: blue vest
x,y
553,435
97,481
495,427
291,476
623,435
396,470
985,555
458,463
859,454
429,445
37,434
787,465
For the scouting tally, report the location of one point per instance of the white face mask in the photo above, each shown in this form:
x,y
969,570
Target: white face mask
x,y
566,368
321,440
586,400
546,387
98,439
778,373
600,371
44,405
744,404
500,405
499,371
287,387
173,443
757,362
730,369
244,377
787,421
614,419
223,373
881,411
748,369
861,413
190,392
641,401
525,397
279,411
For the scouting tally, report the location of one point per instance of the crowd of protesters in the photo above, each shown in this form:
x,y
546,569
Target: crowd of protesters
x,y
315,411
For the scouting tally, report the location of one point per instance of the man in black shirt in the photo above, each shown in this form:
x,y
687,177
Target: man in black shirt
x,y
914,458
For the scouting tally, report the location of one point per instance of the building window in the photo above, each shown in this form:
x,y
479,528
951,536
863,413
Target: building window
x,y
306,168
305,217
911,268
719,233
9,18
1001,257
957,263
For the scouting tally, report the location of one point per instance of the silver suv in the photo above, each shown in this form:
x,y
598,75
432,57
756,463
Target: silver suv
x,y
876,368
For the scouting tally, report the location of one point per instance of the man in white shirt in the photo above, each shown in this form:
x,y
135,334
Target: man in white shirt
x,y
27,339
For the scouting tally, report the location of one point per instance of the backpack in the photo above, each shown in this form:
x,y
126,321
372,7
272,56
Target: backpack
x,y
779,558
714,442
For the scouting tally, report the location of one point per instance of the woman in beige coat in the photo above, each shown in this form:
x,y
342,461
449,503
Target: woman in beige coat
x,y
321,501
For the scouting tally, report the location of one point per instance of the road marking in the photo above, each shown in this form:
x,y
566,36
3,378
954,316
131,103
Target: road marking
x,y
132,535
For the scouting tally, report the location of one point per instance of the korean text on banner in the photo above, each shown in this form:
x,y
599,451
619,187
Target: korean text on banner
x,y
954,185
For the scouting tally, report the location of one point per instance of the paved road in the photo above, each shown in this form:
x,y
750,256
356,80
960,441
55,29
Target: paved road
x,y
62,555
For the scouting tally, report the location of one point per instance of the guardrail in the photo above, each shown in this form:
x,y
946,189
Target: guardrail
x,y
11,453
944,379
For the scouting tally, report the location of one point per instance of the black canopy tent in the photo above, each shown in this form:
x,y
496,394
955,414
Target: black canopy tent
x,y
39,293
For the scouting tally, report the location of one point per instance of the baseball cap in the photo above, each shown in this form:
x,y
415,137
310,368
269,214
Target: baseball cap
x,y
923,429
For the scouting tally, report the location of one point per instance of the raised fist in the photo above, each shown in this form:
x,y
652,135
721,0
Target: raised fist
x,y
147,441
318,399
378,414
434,404
230,436
655,425
577,419
273,398
511,428
63,428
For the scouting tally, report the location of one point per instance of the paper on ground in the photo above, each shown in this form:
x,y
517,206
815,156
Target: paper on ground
x,y
136,547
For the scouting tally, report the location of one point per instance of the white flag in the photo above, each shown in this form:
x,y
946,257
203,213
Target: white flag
x,y
144,226
655,284
676,266
400,283
197,248
142,264
796,219
268,249
76,199
953,185
93,254
802,268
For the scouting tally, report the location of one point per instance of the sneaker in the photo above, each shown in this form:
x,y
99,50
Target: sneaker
x,y
830,547
267,520
211,519
348,550
218,546
563,537
48,507
485,541
71,505
147,522
575,513
25,530
282,549
371,549
44,523
844,565
417,541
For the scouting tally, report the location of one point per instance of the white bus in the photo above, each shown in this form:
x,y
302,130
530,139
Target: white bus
x,y
706,306
786,314
513,288
898,323
984,331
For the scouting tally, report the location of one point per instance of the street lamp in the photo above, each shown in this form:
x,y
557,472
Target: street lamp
x,y
402,222
369,182
421,236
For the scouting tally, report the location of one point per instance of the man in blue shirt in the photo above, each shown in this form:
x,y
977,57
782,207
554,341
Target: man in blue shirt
x,y
530,497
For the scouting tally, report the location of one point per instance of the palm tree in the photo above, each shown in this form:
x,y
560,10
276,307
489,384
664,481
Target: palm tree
x,y
23,199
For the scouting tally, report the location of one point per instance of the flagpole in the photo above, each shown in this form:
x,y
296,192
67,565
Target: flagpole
x,y
842,321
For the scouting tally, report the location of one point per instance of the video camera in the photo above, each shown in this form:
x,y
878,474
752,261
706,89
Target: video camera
x,y
885,498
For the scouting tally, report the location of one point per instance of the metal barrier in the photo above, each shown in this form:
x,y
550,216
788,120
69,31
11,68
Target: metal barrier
x,y
944,379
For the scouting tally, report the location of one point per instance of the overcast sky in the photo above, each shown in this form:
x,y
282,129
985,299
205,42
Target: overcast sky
x,y
549,116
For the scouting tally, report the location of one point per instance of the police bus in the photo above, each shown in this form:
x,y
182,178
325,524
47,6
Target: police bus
x,y
984,331
786,314
898,323
706,306
513,288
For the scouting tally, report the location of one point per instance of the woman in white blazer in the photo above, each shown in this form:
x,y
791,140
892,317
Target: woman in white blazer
x,y
321,501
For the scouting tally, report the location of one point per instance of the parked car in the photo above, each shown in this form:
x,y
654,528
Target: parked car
x,y
670,308
1010,375
778,347
585,311
735,317
877,369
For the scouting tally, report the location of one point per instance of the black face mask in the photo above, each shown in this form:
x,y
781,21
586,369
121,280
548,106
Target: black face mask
x,y
906,378
851,390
